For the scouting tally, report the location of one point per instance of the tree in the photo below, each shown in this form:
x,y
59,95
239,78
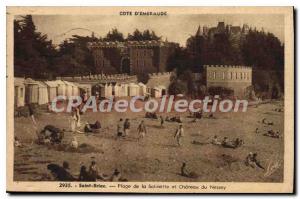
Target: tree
x,y
143,36
265,53
179,60
33,52
74,57
114,35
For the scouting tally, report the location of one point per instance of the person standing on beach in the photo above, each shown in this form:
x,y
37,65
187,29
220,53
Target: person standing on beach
x,y
142,129
126,127
179,135
119,128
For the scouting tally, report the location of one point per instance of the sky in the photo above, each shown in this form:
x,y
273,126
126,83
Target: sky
x,y
176,28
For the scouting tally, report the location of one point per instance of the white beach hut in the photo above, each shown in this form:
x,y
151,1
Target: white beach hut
x,y
35,92
133,89
52,88
71,89
19,91
142,89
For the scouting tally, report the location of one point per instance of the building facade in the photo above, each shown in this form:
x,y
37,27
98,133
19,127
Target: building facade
x,y
131,57
236,78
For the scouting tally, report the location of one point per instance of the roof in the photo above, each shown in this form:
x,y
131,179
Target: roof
x,y
53,83
68,83
33,82
133,85
19,81
141,84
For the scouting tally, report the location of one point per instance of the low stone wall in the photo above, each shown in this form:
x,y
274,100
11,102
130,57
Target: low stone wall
x,y
159,80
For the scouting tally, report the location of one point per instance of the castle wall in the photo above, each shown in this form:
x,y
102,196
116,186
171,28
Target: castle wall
x,y
143,60
237,78
161,80
144,56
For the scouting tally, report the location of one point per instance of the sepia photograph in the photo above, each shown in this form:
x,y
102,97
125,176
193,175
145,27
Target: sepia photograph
x,y
150,99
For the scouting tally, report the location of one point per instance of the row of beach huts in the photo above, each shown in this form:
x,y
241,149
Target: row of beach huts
x,y
27,91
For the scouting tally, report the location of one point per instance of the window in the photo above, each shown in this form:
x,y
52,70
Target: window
x,y
214,75
236,75
223,75
21,92
231,75
241,74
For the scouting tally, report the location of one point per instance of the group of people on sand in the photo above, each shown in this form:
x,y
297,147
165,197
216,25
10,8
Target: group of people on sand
x,y
226,143
50,135
62,173
269,133
123,128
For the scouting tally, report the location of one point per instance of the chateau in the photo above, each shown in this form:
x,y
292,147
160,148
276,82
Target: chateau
x,y
131,57
236,33
237,78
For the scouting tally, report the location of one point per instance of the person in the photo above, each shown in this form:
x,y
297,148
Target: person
x,y
142,129
96,125
74,143
161,121
186,173
256,131
61,173
84,97
167,119
116,176
54,134
84,175
238,142
272,134
179,135
211,115
73,121
225,143
93,171
87,128
31,114
126,127
77,112
251,160
200,114
119,127
265,121
17,142
215,141
178,119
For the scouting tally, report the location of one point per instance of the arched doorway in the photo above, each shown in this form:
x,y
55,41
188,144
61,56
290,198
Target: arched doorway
x,y
125,65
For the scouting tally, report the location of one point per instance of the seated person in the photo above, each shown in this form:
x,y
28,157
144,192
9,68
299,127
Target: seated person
x,y
272,134
215,141
97,125
251,160
186,173
227,144
238,142
87,128
54,134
